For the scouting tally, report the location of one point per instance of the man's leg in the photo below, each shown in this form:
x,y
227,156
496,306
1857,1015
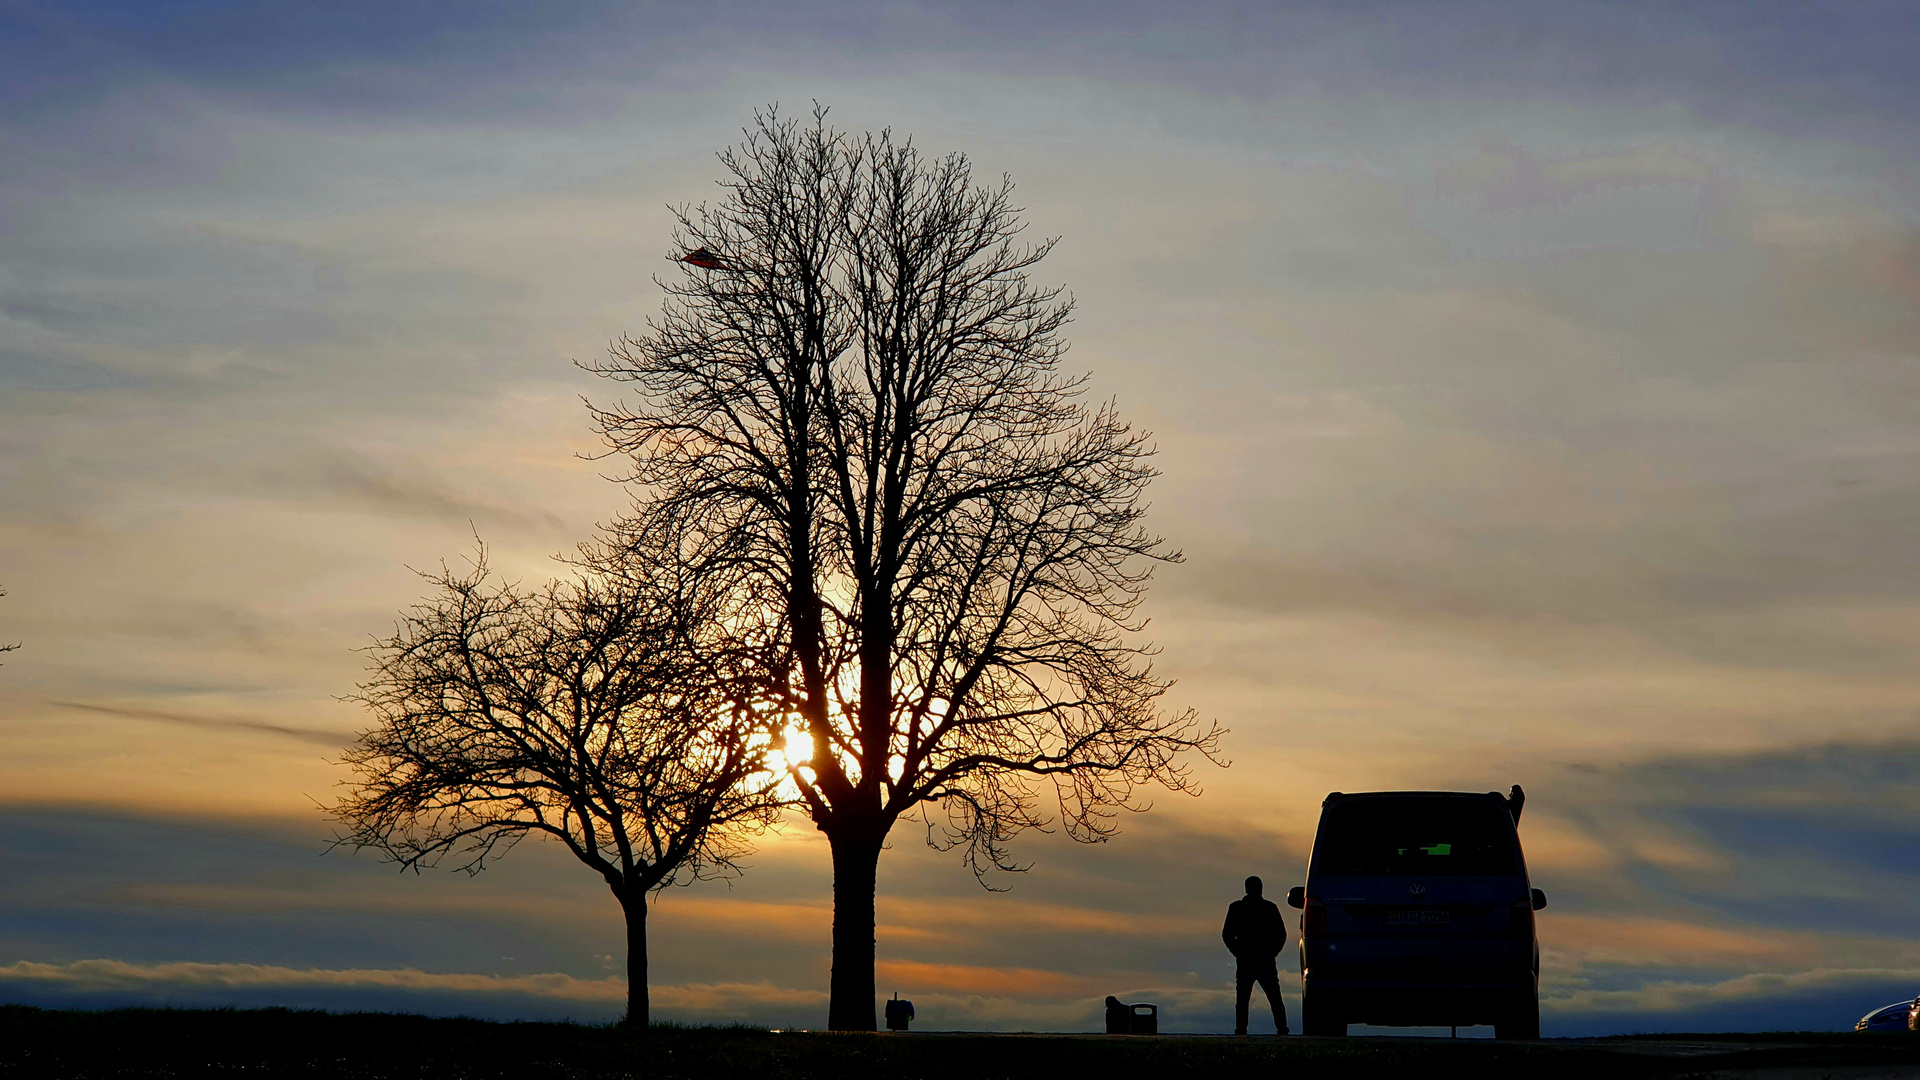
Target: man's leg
x,y
1270,983
1244,972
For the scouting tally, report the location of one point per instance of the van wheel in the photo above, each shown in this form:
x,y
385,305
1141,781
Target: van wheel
x,y
1523,1022
1316,1018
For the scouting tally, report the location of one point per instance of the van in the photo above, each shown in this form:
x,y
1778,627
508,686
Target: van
x,y
1417,911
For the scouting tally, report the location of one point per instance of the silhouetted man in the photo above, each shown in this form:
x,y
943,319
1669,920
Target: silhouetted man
x,y
1254,933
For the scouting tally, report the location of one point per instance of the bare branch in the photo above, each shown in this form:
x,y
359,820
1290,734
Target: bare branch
x,y
15,645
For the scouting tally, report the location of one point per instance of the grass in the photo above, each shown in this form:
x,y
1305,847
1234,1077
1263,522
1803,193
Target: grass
x,y
37,1043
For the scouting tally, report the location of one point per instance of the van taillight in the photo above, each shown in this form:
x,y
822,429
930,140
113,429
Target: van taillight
x,y
1520,922
1313,918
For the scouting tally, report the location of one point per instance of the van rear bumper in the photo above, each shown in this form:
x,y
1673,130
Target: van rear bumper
x,y
1418,1003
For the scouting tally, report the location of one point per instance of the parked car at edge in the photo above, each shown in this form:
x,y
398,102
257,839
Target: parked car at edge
x,y
1417,911
1895,1017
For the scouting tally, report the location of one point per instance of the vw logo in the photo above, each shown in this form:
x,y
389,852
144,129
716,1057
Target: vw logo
x,y
1417,889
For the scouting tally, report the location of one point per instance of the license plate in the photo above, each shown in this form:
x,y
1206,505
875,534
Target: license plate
x,y
1418,917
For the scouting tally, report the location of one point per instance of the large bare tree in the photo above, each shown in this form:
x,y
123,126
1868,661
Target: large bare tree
x,y
852,405
580,712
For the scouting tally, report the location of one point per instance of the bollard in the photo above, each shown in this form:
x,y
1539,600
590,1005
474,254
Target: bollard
x,y
1119,1017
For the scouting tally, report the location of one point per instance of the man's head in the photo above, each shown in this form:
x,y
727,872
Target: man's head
x,y
1253,886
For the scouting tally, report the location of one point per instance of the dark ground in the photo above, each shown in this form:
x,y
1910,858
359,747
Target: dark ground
x,y
277,1042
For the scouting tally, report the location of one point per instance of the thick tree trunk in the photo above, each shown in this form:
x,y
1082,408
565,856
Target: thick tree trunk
x,y
639,1006
856,859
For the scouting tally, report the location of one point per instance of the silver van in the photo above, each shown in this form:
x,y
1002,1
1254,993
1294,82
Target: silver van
x,y
1417,911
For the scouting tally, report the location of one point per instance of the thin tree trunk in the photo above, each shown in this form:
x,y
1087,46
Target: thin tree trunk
x,y
856,859
638,1005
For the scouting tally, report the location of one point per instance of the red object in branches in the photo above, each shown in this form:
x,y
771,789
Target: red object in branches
x,y
704,259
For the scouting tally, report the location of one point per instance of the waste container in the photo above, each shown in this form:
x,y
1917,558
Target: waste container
x,y
898,1013
1125,1019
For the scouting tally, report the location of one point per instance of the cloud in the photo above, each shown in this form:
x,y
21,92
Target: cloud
x,y
321,736
439,991
727,1000
961,919
395,490
1502,176
806,920
339,898
991,982
1676,996
120,975
1666,943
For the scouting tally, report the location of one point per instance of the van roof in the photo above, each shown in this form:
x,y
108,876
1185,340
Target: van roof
x,y
1340,796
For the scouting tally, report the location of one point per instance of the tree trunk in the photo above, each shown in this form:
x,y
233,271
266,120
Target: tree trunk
x,y
856,859
638,1005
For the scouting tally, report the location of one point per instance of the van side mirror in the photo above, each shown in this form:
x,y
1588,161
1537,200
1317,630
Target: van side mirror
x,y
1539,899
1297,896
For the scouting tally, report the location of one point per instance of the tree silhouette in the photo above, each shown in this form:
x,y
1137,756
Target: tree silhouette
x,y
578,712
15,645
851,407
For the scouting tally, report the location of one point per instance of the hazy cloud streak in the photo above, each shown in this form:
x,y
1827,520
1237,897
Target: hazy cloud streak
x,y
312,735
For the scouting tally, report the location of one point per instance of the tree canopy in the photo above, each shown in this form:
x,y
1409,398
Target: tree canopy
x,y
851,413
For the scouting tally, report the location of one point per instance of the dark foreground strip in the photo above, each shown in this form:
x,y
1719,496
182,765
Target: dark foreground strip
x,y
36,1043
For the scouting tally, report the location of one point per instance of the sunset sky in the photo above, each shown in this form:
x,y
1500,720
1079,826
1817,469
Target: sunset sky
x,y
1537,389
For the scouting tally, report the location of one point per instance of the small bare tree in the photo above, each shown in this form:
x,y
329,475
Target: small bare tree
x,y
581,712
852,404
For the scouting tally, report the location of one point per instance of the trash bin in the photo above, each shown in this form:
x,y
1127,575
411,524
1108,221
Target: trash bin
x,y
898,1013
1125,1019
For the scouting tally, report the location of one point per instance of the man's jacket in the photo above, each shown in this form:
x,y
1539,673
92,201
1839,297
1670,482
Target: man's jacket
x,y
1254,929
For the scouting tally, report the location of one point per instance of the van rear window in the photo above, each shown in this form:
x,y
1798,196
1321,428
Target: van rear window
x,y
1431,837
